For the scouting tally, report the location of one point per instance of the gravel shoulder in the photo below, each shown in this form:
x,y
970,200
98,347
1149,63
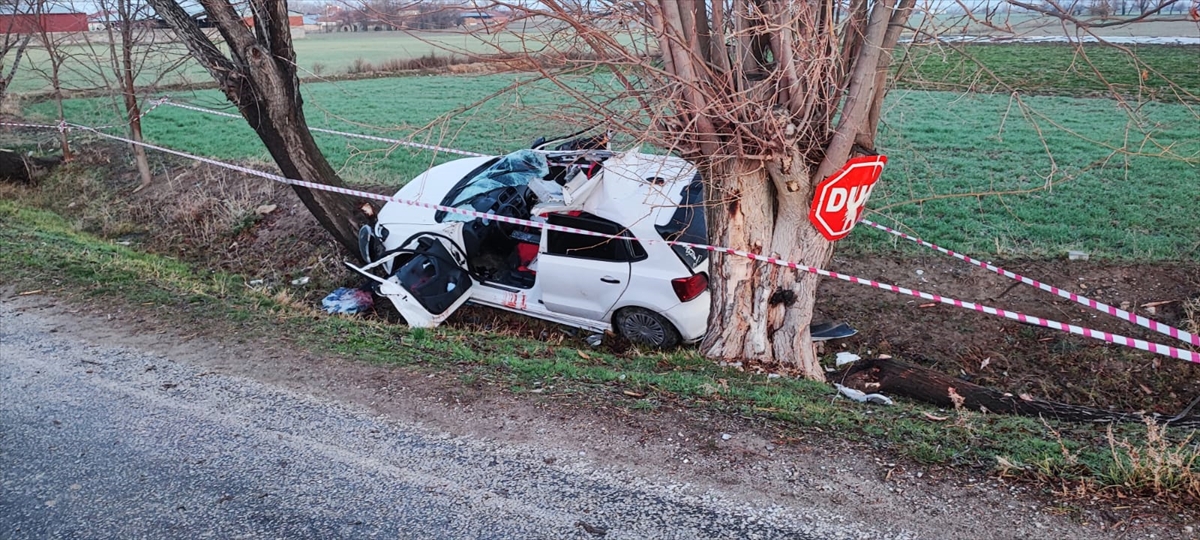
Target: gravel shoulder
x,y
376,450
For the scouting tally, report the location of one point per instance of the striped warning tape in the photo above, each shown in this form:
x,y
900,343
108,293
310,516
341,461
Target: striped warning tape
x,y
1156,326
1139,320
399,142
1173,352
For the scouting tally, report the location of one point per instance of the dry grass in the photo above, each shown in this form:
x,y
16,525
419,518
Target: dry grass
x,y
1158,466
430,61
211,207
1163,466
1191,315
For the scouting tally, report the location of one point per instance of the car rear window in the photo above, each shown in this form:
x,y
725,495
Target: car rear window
x,y
583,246
688,224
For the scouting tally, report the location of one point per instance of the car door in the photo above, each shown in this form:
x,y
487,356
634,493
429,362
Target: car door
x,y
583,275
429,281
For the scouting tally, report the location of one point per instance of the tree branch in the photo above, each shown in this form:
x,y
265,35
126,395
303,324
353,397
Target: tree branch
x,y
860,93
201,48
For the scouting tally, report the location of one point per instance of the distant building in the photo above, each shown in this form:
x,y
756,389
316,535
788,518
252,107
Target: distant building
x,y
100,21
22,23
295,22
483,18
295,19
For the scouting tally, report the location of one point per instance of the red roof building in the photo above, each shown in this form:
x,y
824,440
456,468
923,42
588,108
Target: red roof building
x,y
22,23
295,19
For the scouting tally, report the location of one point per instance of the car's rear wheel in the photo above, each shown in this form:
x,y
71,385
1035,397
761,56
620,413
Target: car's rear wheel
x,y
646,327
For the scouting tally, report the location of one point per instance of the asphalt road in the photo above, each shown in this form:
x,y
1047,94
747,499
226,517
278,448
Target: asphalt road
x,y
97,441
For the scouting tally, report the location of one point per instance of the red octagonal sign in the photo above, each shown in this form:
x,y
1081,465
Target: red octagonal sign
x,y
840,199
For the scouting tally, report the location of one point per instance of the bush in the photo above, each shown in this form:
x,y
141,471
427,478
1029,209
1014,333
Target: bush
x,y
360,66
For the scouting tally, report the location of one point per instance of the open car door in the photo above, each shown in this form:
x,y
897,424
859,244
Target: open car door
x,y
428,281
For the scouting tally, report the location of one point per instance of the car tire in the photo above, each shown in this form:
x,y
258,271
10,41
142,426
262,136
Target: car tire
x,y
646,327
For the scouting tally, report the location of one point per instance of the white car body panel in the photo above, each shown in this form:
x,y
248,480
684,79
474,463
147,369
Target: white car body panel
x,y
584,288
566,290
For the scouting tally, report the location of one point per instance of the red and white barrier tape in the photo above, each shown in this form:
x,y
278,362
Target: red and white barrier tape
x,y
38,126
1099,306
154,104
1157,348
399,142
1139,320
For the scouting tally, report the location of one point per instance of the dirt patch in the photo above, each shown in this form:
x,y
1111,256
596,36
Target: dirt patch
x,y
248,226
1021,358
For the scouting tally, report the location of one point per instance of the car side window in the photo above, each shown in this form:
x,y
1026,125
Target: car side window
x,y
583,246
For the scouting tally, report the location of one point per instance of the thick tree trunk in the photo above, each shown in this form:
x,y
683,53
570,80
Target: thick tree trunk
x,y
259,76
762,312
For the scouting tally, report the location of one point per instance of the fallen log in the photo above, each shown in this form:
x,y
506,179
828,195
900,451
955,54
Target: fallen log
x,y
23,169
894,378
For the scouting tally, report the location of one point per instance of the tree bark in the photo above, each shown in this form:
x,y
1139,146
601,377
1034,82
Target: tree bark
x,y
259,77
762,312
19,52
890,377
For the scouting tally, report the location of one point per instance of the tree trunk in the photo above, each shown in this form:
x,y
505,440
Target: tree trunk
x,y
762,312
259,77
19,53
890,377
58,101
129,91
139,153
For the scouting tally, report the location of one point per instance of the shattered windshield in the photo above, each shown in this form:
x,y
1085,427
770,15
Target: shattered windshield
x,y
513,170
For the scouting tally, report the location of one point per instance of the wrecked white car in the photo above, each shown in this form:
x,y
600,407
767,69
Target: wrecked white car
x,y
430,262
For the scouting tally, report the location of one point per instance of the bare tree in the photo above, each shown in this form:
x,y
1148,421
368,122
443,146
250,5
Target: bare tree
x,y
131,60
768,98
54,43
126,14
258,75
13,45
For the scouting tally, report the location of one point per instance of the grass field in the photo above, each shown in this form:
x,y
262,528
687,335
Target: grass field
x,y
317,55
1159,73
1167,73
970,172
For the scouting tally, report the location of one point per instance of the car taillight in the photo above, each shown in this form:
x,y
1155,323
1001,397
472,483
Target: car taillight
x,y
687,288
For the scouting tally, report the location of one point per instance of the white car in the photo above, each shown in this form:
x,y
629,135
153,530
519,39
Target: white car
x,y
431,262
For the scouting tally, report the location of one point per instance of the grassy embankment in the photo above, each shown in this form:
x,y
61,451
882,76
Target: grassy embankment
x,y
40,250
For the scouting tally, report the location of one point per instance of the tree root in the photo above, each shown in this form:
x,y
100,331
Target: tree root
x,y
890,377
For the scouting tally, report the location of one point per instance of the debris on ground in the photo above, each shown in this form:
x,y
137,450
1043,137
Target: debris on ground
x,y
863,397
348,300
844,358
